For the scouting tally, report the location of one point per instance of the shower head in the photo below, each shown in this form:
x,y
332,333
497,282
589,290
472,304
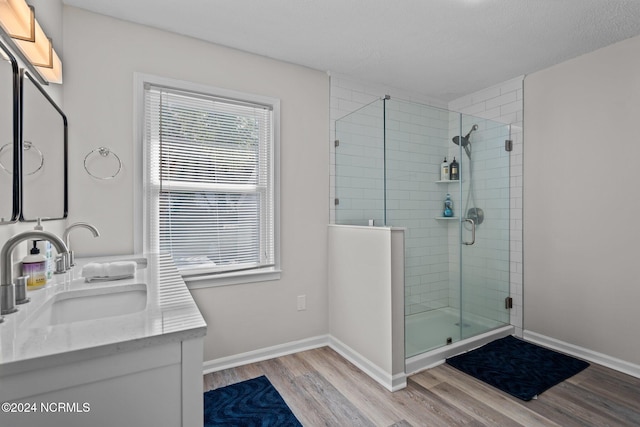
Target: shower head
x,y
464,140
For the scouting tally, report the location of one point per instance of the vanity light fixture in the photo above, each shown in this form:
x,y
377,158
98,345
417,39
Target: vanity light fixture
x,y
18,21
52,74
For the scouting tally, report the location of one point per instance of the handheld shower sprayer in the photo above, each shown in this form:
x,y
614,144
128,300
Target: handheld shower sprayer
x,y
464,140
474,213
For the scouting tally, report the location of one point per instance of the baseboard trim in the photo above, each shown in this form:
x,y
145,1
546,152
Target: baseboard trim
x,y
264,354
583,353
390,382
399,381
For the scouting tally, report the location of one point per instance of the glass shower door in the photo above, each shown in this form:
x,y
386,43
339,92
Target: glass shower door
x,y
483,208
359,166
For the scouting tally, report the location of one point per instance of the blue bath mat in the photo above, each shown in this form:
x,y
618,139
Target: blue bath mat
x,y
248,403
517,367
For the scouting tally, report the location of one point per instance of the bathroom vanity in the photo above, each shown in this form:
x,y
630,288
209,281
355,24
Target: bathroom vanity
x,y
108,353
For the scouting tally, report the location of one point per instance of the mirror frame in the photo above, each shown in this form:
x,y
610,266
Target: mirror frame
x,y
23,75
17,140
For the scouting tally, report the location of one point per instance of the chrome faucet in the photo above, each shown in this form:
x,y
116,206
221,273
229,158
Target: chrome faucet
x,y
70,258
7,288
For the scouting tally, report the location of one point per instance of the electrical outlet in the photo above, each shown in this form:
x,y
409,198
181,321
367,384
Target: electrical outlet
x,y
302,302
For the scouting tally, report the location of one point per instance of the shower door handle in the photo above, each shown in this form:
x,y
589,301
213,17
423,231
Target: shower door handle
x,y
473,232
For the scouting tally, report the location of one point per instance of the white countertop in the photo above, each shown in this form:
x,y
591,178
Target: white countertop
x,y
170,315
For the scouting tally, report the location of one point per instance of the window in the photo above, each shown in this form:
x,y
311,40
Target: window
x,y
210,165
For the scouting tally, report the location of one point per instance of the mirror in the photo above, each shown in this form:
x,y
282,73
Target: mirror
x,y
9,139
44,154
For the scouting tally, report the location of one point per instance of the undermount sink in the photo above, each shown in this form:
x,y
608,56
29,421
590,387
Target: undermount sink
x,y
90,304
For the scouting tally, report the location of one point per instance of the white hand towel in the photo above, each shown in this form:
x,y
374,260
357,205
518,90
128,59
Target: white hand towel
x,y
94,269
109,271
121,268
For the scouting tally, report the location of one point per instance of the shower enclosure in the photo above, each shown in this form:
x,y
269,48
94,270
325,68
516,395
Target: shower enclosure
x,y
388,159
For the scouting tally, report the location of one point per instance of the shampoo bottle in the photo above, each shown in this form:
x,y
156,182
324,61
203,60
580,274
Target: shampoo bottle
x,y
448,207
454,170
33,265
444,170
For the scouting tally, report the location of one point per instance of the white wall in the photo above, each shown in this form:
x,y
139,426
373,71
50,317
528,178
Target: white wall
x,y
581,201
366,313
101,56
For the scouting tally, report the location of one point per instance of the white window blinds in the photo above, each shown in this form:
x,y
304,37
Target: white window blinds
x,y
210,183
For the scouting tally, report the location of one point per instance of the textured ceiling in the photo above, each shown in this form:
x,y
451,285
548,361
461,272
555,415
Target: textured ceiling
x,y
440,48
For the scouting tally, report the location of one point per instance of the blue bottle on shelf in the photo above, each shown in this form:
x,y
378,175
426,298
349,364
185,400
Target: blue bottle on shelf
x,y
448,207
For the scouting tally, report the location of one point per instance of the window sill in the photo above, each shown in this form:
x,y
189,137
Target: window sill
x,y
235,278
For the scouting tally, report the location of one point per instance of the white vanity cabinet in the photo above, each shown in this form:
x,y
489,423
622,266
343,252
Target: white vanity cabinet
x,y
142,369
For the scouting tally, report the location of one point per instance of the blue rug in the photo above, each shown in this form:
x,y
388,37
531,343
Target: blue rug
x,y
248,403
517,367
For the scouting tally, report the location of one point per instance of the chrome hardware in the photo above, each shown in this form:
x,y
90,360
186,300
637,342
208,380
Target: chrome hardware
x,y
508,145
473,232
103,152
8,299
508,303
7,288
21,290
476,214
61,264
70,257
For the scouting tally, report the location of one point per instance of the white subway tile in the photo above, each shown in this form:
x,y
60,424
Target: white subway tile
x,y
511,85
505,98
485,94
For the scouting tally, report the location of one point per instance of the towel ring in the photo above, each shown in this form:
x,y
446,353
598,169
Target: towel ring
x,y
103,152
27,145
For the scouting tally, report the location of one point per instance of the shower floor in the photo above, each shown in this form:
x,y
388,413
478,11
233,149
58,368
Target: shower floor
x,y
430,329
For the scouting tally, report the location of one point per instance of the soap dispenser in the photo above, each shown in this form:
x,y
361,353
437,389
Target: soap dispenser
x,y
46,250
33,265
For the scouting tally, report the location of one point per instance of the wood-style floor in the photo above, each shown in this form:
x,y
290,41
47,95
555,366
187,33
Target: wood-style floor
x,y
323,389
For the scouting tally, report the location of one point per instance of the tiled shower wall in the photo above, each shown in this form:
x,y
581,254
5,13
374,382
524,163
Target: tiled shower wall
x,y
428,275
415,149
